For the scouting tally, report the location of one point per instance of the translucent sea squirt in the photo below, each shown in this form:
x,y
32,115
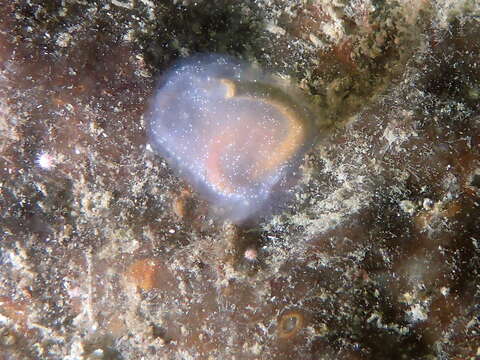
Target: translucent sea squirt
x,y
234,132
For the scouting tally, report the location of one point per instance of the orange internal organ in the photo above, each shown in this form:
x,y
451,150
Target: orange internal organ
x,y
280,152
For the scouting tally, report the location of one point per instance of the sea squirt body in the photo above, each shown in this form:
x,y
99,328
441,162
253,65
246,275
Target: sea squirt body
x,y
235,132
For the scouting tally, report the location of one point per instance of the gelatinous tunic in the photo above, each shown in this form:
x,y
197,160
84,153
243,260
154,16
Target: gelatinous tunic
x,y
233,131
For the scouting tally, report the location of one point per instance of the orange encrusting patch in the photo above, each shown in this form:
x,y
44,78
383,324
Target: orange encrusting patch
x,y
144,274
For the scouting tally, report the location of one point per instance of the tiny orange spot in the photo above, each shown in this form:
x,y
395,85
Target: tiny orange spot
x,y
58,102
452,209
143,273
180,204
17,311
115,325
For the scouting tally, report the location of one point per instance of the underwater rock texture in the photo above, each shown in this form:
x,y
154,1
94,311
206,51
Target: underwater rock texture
x,y
106,254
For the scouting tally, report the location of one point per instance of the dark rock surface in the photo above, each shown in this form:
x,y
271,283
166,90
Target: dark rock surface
x,y
105,254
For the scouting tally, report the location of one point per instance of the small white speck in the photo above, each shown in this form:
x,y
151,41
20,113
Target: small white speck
x,y
64,39
45,161
444,291
171,231
126,5
428,204
417,313
251,254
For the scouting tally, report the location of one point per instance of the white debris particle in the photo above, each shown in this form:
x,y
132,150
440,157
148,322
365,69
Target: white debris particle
x,y
408,206
316,41
63,39
417,313
45,161
275,29
126,5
